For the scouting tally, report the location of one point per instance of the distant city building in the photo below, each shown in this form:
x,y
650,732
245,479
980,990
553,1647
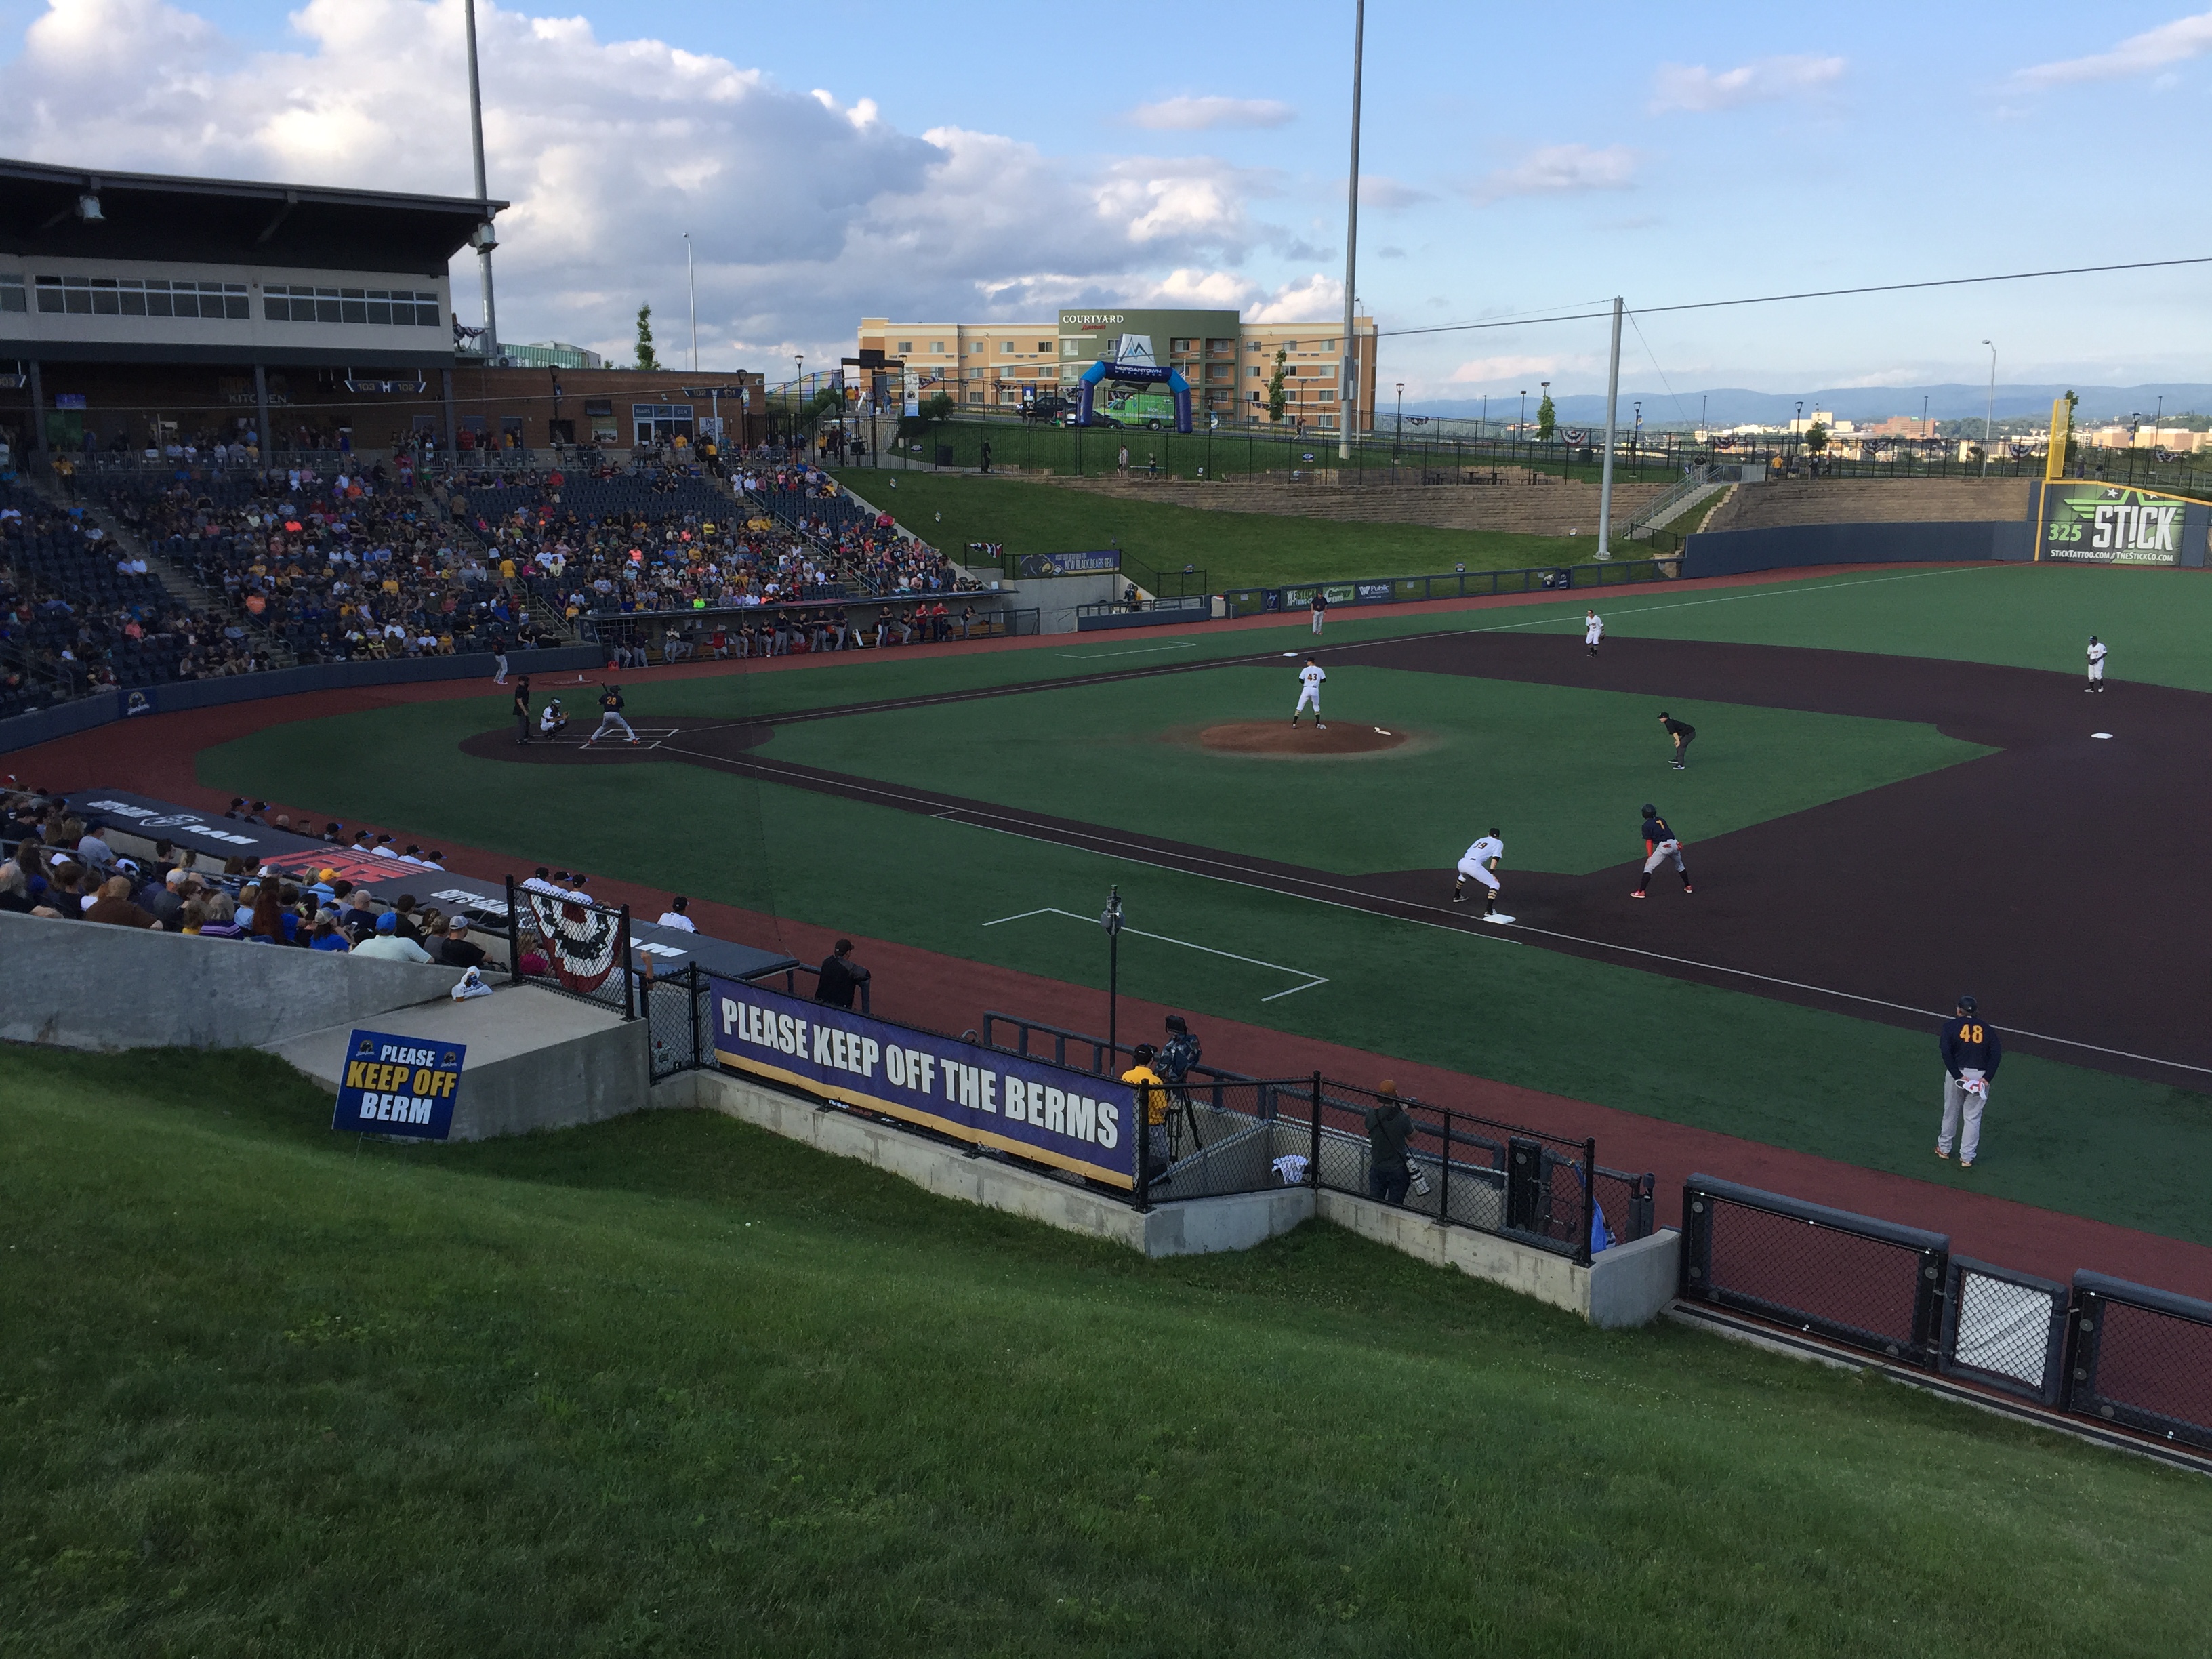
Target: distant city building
x,y
551,354
1228,362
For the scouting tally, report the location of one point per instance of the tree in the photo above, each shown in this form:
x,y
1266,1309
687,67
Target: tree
x,y
647,358
1277,400
939,408
1816,437
1546,416
2073,449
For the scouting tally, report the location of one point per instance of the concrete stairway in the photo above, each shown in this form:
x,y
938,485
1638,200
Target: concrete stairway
x,y
1874,500
1547,507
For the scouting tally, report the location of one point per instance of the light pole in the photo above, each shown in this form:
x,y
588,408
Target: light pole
x,y
1347,400
1989,410
691,284
1401,436
484,238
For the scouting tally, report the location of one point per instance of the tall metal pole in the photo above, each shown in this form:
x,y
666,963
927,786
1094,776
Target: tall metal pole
x,y
1111,921
1990,410
692,283
483,193
1612,405
1348,364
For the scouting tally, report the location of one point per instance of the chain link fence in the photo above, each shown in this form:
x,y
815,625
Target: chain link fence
x,y
1851,1279
679,1015
2142,1359
2004,1330
570,945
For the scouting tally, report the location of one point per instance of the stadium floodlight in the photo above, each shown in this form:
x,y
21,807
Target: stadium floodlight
x,y
1111,921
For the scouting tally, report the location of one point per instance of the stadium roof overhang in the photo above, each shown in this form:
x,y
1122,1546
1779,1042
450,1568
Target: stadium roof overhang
x,y
150,217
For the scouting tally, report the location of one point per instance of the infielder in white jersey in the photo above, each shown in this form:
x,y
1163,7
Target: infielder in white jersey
x,y
1309,679
1593,631
2096,665
1481,862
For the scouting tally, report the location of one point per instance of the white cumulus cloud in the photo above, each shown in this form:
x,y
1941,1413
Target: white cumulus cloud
x,y
1204,114
2154,49
1764,80
806,211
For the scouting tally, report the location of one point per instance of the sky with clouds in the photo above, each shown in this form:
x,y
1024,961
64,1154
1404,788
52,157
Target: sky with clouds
x,y
998,159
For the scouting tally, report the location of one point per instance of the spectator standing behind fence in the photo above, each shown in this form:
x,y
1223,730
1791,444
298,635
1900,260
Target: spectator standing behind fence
x,y
1971,1056
840,977
1389,1127
1151,1104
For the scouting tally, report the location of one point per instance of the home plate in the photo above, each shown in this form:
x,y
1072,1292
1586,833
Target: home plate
x,y
2100,734
1502,920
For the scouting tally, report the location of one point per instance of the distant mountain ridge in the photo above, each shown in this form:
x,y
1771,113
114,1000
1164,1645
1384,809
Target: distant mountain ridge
x,y
1726,406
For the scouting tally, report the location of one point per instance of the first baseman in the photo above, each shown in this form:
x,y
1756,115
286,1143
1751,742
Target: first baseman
x,y
2096,665
1481,862
1971,1054
1309,679
1593,631
610,703
1659,843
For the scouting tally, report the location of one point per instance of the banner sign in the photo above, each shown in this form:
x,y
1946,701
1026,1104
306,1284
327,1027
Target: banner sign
x,y
399,1086
1071,1119
1065,564
2115,523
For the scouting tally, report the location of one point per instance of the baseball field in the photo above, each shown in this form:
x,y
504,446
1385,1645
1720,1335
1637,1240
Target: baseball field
x,y
1899,792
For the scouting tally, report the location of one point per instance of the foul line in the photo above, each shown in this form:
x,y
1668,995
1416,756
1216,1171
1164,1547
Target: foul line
x,y
1311,980
1288,885
1133,651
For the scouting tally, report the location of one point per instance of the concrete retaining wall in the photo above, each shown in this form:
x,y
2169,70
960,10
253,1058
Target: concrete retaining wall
x,y
1626,1285
86,985
537,1060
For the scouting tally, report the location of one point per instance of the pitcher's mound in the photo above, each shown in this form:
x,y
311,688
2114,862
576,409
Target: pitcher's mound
x,y
1280,738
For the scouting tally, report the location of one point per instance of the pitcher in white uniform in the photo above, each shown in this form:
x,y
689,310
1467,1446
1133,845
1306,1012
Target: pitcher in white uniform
x,y
1309,679
1480,861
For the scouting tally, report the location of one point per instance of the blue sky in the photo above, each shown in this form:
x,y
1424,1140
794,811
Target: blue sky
x,y
995,159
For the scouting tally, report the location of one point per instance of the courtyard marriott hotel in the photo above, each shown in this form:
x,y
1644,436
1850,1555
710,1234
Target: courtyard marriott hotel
x,y
1228,361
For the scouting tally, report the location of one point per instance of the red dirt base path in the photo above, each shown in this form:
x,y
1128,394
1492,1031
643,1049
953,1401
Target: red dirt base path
x,y
156,756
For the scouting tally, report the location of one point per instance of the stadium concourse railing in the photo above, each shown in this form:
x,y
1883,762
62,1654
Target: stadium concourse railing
x,y
1229,1134
2103,1351
1452,585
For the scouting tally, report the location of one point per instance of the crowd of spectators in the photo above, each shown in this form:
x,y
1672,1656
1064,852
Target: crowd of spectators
x,y
60,865
79,613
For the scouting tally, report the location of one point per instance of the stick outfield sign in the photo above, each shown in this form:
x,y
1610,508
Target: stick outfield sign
x,y
1047,1113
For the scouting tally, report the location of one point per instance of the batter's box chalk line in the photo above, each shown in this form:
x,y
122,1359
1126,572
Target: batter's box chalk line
x,y
1310,979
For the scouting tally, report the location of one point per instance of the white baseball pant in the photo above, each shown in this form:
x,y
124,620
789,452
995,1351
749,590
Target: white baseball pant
x,y
1959,1102
1660,855
1472,869
610,717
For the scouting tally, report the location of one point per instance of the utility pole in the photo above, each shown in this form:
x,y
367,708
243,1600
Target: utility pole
x,y
1348,361
484,238
1612,403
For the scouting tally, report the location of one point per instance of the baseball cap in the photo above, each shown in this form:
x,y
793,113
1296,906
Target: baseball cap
x,y
388,922
1969,1004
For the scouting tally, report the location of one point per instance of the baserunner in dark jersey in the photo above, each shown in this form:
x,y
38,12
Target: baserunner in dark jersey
x,y
1659,843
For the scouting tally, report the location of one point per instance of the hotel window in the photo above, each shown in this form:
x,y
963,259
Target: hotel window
x,y
1044,345
937,346
904,347
14,296
1005,347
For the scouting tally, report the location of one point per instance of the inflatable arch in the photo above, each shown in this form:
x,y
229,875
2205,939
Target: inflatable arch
x,y
1132,364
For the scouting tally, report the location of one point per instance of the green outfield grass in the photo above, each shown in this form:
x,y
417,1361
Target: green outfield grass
x,y
1485,752
670,1385
2075,1141
1234,549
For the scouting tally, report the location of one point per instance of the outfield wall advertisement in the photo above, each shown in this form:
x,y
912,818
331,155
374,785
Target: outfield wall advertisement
x,y
2115,523
1068,1119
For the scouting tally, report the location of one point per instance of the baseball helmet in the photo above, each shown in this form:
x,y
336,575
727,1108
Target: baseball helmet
x,y
1649,810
